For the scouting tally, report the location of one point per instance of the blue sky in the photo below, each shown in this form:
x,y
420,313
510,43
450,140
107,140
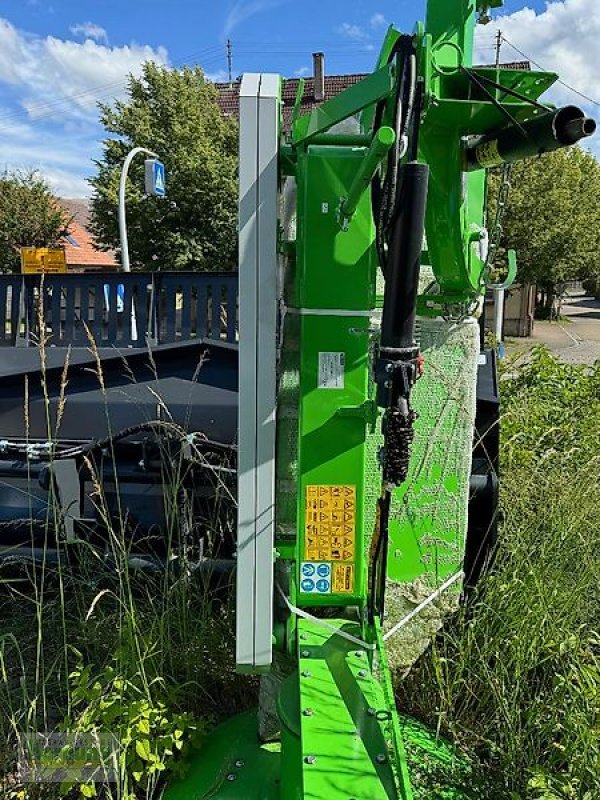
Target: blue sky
x,y
58,57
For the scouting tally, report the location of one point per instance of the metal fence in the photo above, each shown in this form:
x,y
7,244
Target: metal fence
x,y
122,309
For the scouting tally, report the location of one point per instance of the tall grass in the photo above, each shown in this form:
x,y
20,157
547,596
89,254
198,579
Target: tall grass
x,y
515,679
88,643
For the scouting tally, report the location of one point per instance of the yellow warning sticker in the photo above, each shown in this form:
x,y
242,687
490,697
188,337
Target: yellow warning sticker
x,y
330,523
343,579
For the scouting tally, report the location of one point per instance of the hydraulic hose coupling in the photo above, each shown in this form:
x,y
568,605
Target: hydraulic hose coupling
x,y
397,372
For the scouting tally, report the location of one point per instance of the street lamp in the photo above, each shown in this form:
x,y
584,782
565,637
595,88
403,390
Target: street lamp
x,y
158,171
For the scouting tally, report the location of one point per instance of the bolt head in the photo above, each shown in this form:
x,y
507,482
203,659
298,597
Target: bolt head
x,y
362,673
240,763
308,712
231,777
371,712
381,758
305,654
306,673
310,759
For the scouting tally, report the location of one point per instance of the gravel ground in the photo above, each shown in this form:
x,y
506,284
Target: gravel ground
x,y
574,340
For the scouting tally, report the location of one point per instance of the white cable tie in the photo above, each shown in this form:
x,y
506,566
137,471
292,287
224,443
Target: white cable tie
x,y
428,601
299,612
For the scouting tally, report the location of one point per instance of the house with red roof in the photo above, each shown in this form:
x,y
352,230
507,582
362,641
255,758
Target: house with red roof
x,y
80,246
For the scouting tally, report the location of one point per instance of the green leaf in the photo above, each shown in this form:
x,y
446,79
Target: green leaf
x,y
142,748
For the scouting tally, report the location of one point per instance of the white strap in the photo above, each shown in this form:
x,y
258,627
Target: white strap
x,y
299,612
405,620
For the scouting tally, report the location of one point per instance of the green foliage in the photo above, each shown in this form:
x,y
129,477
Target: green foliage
x,y
553,216
29,217
175,114
149,736
515,680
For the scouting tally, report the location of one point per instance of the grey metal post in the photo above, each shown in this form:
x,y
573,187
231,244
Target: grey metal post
x,y
259,145
122,213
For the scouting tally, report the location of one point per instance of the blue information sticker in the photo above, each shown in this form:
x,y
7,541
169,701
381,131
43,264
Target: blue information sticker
x,y
308,570
324,570
307,585
323,585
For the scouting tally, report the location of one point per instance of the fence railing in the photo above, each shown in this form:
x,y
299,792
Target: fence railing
x,y
122,309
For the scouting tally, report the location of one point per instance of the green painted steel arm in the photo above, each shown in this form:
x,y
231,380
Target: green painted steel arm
x,y
383,141
369,91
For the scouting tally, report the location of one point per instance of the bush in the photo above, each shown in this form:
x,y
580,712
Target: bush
x,y
515,680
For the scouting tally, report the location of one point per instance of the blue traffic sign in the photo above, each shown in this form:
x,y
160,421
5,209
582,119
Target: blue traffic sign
x,y
156,182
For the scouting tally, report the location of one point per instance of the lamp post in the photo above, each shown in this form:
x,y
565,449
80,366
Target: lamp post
x,y
122,213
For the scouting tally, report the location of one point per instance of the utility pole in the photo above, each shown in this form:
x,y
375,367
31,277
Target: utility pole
x,y
230,61
498,47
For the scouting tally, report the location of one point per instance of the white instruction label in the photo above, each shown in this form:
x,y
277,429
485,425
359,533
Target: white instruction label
x,y
331,370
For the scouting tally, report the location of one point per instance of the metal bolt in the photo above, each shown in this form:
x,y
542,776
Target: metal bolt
x,y
310,760
371,712
304,635
381,758
308,712
305,654
387,384
362,673
239,763
232,777
306,673
389,367
359,653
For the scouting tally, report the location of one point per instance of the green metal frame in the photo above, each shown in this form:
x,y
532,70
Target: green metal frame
x,y
341,736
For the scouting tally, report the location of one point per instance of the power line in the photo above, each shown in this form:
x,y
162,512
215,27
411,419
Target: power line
x,y
539,66
208,56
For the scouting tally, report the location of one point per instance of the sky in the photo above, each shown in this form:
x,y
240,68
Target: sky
x,y
58,58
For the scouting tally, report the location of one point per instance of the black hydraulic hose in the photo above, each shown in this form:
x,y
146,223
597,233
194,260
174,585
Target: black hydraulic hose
x,y
404,259
151,426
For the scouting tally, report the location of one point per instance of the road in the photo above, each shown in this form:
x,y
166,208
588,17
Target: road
x,y
575,339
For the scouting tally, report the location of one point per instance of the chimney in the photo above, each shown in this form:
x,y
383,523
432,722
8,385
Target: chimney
x,y
319,73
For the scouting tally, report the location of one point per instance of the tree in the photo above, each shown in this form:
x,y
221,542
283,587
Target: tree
x,y
552,218
174,113
30,216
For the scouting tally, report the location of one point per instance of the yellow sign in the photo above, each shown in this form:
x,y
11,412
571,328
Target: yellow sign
x,y
330,523
39,260
343,579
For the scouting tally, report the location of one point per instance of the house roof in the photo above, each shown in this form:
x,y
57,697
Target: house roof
x,y
80,246
228,96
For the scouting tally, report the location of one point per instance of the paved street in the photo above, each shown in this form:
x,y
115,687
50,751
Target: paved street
x,y
575,340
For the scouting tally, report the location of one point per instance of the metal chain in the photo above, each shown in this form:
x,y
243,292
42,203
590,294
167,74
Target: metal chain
x,y
496,231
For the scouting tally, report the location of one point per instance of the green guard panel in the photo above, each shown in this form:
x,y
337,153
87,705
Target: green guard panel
x,y
335,273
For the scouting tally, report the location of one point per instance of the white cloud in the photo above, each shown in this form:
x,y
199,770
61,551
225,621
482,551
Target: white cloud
x,y
50,87
220,76
242,10
354,32
64,77
562,38
89,30
378,21
302,72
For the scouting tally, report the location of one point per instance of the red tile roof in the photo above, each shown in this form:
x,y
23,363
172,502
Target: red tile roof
x,y
80,246
228,96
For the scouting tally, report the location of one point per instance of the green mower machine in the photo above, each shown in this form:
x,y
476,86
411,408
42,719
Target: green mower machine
x,y
342,490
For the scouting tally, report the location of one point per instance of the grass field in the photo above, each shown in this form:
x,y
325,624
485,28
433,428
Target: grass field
x,y
513,680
